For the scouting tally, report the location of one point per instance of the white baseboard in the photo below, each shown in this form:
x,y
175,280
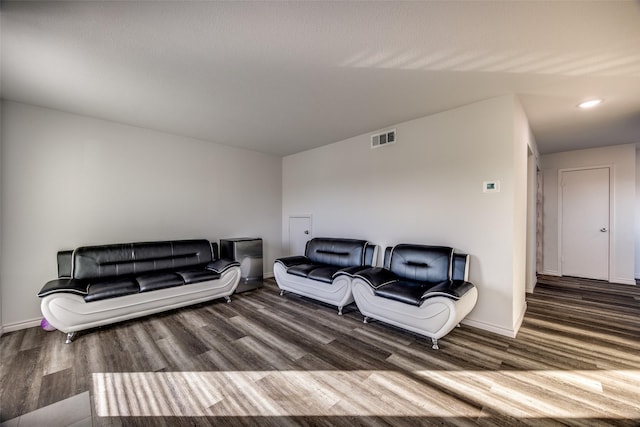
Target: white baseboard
x,y
551,273
618,280
490,327
623,281
268,275
11,327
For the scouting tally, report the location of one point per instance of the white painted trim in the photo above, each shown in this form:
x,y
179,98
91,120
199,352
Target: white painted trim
x,y
24,324
490,327
268,275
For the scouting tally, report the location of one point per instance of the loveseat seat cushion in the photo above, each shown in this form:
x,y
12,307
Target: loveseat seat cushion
x,y
197,276
303,270
323,273
153,281
112,288
71,286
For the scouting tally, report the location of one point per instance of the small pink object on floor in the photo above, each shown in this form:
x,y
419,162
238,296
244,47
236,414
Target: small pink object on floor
x,y
44,324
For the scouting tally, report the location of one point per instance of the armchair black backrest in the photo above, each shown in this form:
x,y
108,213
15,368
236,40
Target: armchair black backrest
x,y
422,263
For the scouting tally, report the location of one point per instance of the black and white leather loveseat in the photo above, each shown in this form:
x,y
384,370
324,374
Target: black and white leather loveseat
x,y
324,273
98,285
423,289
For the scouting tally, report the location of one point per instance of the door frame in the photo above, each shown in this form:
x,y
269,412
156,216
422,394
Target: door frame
x,y
309,217
611,212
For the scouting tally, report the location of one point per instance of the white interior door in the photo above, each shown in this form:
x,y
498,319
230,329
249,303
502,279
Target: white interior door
x,y
299,234
585,223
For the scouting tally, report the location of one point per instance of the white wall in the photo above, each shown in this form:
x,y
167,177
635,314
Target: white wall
x,y
69,180
622,159
427,188
1,138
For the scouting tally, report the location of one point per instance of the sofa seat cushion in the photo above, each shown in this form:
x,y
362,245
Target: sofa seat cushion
x,y
197,276
153,281
116,287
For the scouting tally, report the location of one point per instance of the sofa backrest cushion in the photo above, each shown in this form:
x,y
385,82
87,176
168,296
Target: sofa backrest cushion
x,y
124,259
422,263
338,252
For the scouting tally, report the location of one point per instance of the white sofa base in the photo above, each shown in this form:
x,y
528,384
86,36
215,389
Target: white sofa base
x,y
70,313
337,293
435,318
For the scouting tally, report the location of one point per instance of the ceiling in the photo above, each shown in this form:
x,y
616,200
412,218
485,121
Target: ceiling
x,y
284,77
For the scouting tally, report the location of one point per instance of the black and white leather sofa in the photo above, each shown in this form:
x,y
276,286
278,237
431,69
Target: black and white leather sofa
x,y
423,289
99,285
324,273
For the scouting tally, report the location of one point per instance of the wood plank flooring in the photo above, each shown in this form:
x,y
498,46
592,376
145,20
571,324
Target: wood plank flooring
x,y
271,360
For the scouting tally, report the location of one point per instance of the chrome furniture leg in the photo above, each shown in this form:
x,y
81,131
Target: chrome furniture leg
x,y
70,337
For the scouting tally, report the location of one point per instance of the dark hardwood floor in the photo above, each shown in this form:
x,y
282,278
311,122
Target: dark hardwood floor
x,y
271,360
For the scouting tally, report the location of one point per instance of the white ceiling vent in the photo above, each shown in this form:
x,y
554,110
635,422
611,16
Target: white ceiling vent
x,y
384,138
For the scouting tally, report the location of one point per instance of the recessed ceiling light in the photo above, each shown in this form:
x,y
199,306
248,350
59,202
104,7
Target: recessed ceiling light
x,y
590,103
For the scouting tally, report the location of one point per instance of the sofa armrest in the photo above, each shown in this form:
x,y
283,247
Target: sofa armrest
x,y
290,261
222,265
377,276
350,271
453,289
72,286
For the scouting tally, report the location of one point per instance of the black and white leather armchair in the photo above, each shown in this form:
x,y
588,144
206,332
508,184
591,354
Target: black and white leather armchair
x,y
423,289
